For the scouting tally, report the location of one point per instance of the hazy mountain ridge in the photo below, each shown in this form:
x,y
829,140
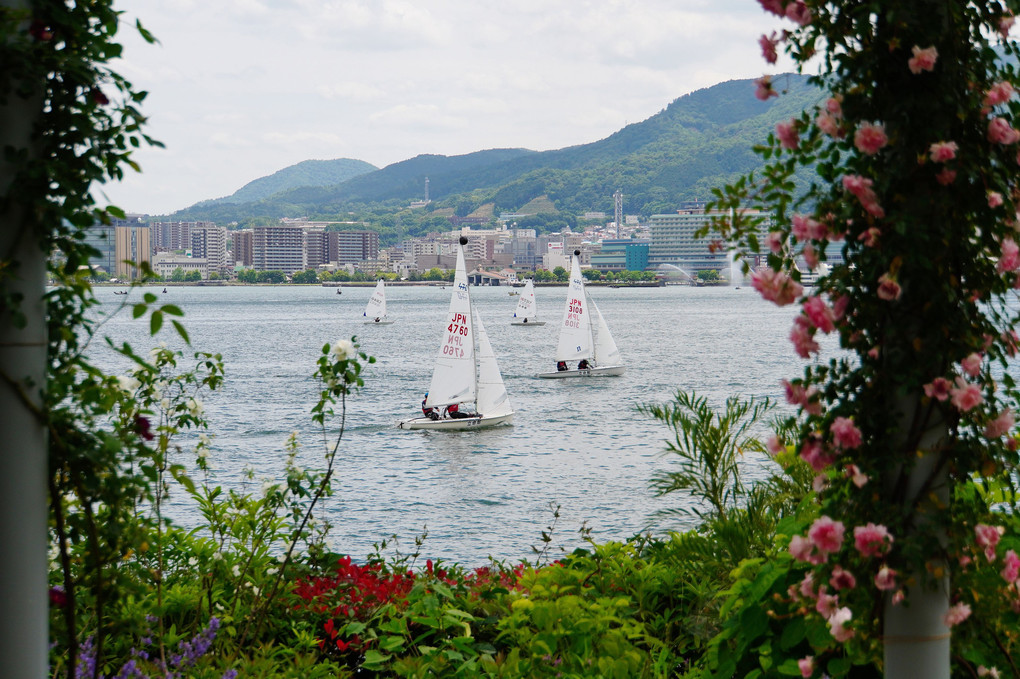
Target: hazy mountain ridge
x,y
699,141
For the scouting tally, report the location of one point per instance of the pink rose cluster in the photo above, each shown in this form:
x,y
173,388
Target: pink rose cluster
x,y
861,187
776,286
789,138
825,537
1000,132
796,11
829,118
987,538
764,89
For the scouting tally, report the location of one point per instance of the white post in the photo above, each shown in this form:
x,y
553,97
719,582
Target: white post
x,y
23,460
915,638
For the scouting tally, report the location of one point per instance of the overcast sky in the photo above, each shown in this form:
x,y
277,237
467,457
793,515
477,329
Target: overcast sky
x,y
239,89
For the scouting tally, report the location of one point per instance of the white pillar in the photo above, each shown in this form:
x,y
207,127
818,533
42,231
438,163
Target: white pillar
x,y
23,536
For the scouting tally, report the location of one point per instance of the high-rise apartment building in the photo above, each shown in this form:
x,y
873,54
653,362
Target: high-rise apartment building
x,y
210,243
278,248
170,236
244,253
349,247
102,237
132,244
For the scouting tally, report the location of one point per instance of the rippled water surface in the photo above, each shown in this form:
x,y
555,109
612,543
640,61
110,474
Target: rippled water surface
x,y
578,443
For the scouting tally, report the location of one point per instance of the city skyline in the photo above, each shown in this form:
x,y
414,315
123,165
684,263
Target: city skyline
x,y
242,89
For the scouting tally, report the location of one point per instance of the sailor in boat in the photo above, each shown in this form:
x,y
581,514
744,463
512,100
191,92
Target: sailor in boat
x,y
561,366
431,413
454,412
338,291
164,289
583,364
377,319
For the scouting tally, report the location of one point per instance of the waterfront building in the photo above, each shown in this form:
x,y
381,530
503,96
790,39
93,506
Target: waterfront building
x,y
278,248
674,242
348,247
101,237
172,236
244,244
209,242
132,244
166,263
624,254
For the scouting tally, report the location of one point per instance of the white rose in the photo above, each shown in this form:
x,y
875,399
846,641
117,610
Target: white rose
x,y
128,384
343,349
195,407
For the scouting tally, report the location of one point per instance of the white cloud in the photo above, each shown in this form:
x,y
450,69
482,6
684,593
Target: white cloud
x,y
242,88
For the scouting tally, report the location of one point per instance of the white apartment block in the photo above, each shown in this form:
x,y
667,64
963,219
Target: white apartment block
x,y
210,243
278,248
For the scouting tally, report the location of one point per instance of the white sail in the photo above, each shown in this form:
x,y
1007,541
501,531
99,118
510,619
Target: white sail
x,y
606,351
526,303
575,340
376,307
454,378
493,400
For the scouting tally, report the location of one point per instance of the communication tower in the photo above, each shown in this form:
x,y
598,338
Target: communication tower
x,y
618,198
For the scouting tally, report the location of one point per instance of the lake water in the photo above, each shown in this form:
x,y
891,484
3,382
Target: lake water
x,y
577,443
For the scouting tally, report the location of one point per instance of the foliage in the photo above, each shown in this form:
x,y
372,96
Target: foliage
x,y
909,426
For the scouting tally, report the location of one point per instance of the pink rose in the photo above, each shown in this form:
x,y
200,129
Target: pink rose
x,y
870,236
768,47
776,286
798,12
923,59
942,151
775,445
810,255
853,472
805,397
806,665
1002,423
1012,567
885,579
888,288
776,7
842,579
994,199
803,338
826,534
1000,132
956,614
819,313
845,434
834,105
938,389
1009,260
987,537
972,364
763,88
829,124
787,133
806,228
869,138
965,396
1006,25
775,241
837,625
946,176
813,452
801,549
872,540
999,93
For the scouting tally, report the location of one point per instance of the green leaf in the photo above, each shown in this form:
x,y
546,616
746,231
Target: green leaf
x,y
138,310
181,331
793,633
171,309
155,322
391,643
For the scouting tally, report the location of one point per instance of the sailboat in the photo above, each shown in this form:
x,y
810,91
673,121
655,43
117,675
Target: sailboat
x,y
466,377
527,313
375,310
586,347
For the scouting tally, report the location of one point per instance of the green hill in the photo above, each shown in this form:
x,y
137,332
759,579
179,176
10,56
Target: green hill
x,y
700,141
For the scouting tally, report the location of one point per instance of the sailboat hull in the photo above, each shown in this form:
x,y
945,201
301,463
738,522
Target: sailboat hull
x,y
461,424
382,322
528,323
600,371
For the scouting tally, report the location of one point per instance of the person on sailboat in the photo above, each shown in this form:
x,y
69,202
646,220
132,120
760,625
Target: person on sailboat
x,y
431,413
561,366
583,364
454,413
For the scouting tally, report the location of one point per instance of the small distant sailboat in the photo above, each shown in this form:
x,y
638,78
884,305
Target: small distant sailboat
x,y
586,347
466,374
375,310
527,312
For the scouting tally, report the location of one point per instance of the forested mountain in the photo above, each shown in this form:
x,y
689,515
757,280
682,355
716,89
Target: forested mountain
x,y
700,141
305,173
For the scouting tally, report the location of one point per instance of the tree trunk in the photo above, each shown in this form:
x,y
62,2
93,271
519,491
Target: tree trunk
x,y
23,466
